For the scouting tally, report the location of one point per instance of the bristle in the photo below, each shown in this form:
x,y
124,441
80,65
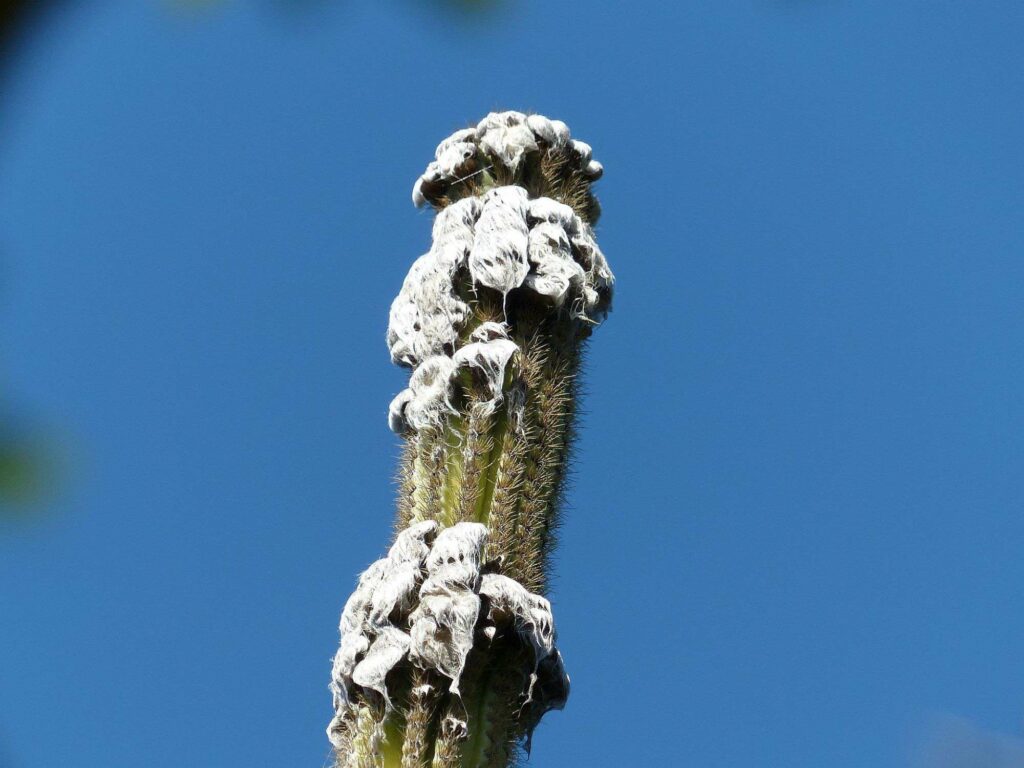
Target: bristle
x,y
428,474
419,719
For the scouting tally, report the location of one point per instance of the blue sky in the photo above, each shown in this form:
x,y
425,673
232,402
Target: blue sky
x,y
795,526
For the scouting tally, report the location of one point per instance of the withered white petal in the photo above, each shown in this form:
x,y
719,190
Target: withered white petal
x,y
561,133
508,601
594,170
553,270
455,157
413,544
423,312
541,128
442,629
511,605
336,729
489,331
454,559
506,136
431,387
396,592
498,259
387,649
582,151
427,314
352,647
490,359
455,223
358,604
544,209
396,411
433,172
599,276
417,193
459,137
554,278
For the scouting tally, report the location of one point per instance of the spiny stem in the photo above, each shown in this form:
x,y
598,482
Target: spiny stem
x,y
421,726
491,321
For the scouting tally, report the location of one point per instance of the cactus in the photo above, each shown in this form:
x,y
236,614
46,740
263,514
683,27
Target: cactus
x,y
448,656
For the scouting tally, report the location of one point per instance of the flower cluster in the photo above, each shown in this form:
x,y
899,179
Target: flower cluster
x,y
537,252
506,146
428,604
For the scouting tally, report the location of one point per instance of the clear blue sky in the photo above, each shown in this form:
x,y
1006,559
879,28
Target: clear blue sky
x,y
795,534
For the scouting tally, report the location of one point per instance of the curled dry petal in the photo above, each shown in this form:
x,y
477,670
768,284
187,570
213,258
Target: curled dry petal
x,y
459,137
498,259
561,133
389,647
413,544
553,272
491,360
431,388
512,606
442,629
431,392
507,136
489,331
396,411
542,128
427,314
544,209
396,592
358,605
454,560
582,151
353,646
453,153
443,624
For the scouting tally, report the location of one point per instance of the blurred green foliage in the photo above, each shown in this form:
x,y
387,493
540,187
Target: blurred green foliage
x,y
25,472
29,469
